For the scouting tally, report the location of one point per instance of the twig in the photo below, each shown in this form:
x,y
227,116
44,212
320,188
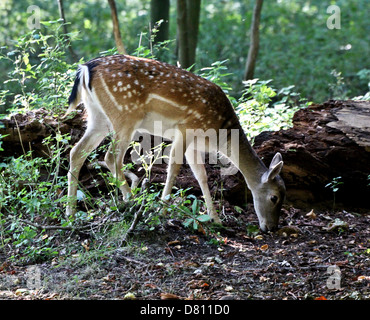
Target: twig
x,y
39,226
138,214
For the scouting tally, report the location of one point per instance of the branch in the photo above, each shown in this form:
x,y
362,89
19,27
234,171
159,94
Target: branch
x,y
62,16
44,227
117,34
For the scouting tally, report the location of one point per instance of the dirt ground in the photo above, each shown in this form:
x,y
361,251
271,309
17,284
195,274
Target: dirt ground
x,y
322,255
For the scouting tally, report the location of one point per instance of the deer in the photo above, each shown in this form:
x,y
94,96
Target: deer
x,y
124,94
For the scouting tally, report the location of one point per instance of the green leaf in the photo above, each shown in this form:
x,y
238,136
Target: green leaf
x,y
195,207
80,195
188,221
204,218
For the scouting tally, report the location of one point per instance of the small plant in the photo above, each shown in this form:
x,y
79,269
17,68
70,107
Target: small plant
x,y
31,190
194,219
45,83
257,111
252,230
334,186
338,88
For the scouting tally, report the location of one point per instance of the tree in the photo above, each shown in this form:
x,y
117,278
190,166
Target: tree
x,y
62,16
160,11
255,40
117,34
188,12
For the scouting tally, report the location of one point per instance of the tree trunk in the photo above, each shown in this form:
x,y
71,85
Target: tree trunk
x,y
182,33
65,30
188,12
117,34
193,14
255,40
160,10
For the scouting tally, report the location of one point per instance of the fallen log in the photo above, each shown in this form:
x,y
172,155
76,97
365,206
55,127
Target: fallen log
x,y
326,141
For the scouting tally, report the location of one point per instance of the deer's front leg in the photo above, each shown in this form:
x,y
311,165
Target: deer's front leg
x,y
200,174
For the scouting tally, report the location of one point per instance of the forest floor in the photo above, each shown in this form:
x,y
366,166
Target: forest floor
x,y
323,255
316,254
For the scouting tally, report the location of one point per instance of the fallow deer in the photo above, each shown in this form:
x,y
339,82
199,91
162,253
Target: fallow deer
x,y
125,94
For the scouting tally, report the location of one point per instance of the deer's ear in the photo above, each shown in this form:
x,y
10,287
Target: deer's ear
x,y
274,169
276,159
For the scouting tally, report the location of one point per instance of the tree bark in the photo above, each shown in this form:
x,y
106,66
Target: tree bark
x,y
188,12
160,10
182,33
193,14
65,30
326,141
116,31
255,40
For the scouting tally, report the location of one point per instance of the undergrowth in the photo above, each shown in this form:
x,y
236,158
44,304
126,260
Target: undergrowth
x,y
33,197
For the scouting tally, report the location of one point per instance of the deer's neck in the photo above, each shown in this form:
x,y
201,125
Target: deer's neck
x,y
247,161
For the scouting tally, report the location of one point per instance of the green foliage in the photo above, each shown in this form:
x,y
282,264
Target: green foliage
x,y
31,190
40,75
194,218
263,108
334,186
252,230
296,47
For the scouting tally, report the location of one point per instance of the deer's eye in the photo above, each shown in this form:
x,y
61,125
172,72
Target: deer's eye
x,y
274,199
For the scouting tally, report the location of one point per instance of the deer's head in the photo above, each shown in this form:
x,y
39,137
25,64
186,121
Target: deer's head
x,y
269,195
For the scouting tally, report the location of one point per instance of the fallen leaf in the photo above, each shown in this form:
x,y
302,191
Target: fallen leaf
x,y
129,296
21,291
229,288
288,231
363,278
173,243
85,244
194,284
169,296
320,298
337,224
195,239
312,215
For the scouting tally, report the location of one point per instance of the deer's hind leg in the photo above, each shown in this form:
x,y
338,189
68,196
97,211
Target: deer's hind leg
x,y
114,161
94,135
